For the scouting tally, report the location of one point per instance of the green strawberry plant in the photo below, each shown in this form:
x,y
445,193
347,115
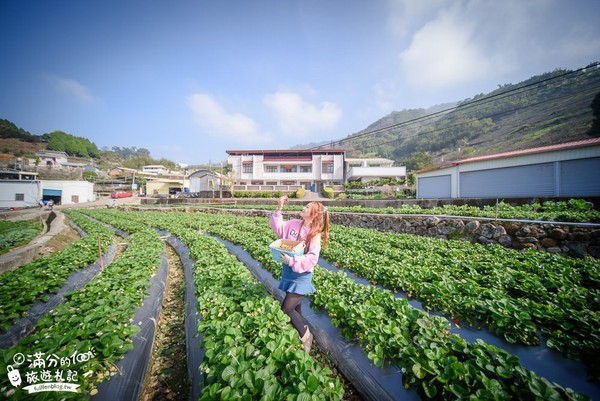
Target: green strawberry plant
x,y
97,319
515,294
252,352
440,365
17,233
32,282
574,210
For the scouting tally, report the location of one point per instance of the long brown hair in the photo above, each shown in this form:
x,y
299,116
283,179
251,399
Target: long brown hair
x,y
320,223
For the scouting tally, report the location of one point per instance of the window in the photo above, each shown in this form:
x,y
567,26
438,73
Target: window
x,y
270,169
247,168
19,197
328,168
288,182
306,169
288,168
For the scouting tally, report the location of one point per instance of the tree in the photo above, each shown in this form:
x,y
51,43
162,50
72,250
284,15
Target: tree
x,y
90,176
138,162
72,145
419,161
228,177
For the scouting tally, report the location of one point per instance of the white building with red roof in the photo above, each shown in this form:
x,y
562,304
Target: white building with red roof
x,y
570,169
287,170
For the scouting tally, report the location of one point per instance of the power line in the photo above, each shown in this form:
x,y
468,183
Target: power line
x,y
591,90
467,105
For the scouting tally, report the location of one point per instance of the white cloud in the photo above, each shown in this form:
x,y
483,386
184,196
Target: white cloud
x,y
297,117
72,87
443,53
404,16
212,118
460,42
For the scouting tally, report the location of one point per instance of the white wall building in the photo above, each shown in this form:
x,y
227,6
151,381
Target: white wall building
x,y
372,169
29,193
563,170
204,180
155,169
287,170
68,192
20,193
52,158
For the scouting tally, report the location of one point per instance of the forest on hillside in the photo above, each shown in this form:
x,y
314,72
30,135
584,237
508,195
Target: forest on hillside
x,y
75,147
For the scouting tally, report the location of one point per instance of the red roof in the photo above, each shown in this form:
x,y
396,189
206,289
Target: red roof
x,y
541,149
285,152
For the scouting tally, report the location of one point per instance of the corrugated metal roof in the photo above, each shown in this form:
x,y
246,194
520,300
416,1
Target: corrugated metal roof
x,y
541,149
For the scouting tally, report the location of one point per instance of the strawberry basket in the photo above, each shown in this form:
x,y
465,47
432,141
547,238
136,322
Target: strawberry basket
x,y
287,246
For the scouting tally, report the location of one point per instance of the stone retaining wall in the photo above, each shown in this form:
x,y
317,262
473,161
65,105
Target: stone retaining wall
x,y
575,240
564,239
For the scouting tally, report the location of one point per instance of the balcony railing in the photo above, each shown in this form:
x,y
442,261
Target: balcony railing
x,y
273,188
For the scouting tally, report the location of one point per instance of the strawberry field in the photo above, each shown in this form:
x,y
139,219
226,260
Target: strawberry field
x,y
457,320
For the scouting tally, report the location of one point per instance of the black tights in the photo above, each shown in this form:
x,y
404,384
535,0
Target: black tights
x,y
292,306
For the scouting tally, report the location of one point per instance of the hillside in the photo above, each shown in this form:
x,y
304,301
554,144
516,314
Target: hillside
x,y
547,109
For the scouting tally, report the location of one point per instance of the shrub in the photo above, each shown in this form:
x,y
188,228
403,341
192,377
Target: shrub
x,y
300,193
387,191
328,192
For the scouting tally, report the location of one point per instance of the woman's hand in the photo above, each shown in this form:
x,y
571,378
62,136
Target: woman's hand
x,y
285,258
281,201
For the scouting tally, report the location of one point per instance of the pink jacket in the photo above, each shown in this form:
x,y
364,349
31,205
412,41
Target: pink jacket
x,y
289,230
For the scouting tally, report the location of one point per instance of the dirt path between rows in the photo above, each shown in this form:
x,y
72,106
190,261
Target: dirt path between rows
x,y
167,375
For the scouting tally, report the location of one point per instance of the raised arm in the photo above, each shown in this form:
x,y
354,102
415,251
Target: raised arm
x,y
276,220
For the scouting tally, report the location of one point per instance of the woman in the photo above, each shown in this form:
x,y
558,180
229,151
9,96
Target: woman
x,y
296,276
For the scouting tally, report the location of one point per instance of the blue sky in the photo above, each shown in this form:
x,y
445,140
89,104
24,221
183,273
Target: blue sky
x,y
188,80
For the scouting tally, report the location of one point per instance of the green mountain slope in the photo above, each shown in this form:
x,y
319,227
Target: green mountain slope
x,y
548,109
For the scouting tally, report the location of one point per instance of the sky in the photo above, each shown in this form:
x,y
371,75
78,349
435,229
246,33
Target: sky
x,y
190,79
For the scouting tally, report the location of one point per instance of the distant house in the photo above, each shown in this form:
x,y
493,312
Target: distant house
x,y
563,170
164,186
368,169
52,158
83,166
155,169
204,180
121,171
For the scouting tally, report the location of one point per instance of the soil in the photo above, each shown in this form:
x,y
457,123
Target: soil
x,y
167,376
